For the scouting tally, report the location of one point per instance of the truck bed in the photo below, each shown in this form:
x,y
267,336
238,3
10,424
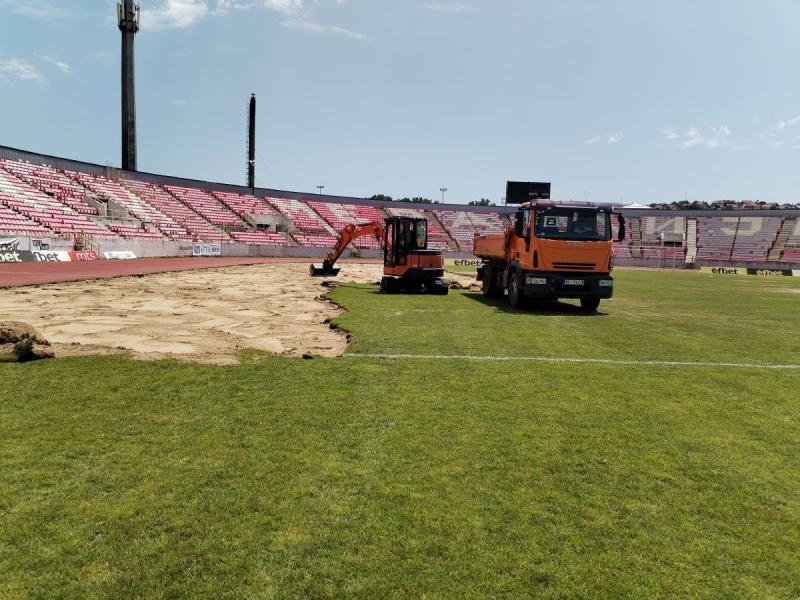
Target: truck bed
x,y
490,246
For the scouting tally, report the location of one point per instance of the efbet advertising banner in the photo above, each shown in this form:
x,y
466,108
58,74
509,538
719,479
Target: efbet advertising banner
x,y
735,271
51,256
16,256
463,262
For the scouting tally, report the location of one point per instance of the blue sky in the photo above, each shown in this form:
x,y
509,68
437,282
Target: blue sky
x,y
641,100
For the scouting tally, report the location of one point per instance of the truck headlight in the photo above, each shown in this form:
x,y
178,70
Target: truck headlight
x,y
606,282
536,281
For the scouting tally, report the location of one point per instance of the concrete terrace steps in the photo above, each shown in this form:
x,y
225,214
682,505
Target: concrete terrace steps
x,y
778,247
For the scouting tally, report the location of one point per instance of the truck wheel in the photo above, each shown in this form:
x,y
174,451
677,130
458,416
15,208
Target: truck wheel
x,y
590,304
489,283
516,296
389,285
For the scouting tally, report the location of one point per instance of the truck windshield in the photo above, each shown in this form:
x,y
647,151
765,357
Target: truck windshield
x,y
573,224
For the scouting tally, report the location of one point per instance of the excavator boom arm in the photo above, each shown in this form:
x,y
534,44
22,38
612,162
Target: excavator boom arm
x,y
352,232
349,233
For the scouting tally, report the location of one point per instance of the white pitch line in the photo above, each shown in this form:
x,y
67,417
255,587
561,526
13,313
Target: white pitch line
x,y
601,361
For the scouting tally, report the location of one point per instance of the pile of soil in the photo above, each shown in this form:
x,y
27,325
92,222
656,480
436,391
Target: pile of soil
x,y
22,342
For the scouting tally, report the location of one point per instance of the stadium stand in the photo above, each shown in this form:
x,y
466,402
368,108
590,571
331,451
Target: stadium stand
x,y
340,215
663,238
47,212
136,207
243,204
81,201
311,229
130,232
791,252
13,223
486,222
53,183
260,237
715,237
194,226
206,206
755,237
459,225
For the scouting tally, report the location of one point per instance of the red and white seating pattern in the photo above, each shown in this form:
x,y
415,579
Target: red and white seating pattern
x,y
487,222
341,215
315,240
260,237
131,232
207,206
791,253
715,237
652,228
51,182
755,237
243,204
195,226
138,208
302,215
665,253
47,212
13,223
459,225
436,237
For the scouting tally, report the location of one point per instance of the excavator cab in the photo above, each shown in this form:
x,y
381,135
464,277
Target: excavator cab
x,y
408,264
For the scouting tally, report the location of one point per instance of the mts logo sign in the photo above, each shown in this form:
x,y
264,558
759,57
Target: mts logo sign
x,y
10,257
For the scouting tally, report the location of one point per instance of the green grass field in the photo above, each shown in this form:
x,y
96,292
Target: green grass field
x,y
374,478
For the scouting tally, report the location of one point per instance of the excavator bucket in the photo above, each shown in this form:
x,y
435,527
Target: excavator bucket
x,y
323,271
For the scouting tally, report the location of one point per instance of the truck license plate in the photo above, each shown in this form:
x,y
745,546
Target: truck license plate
x,y
573,282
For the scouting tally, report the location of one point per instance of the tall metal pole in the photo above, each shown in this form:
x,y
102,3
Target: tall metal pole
x,y
251,145
128,18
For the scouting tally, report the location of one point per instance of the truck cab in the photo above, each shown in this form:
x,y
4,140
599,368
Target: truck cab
x,y
552,250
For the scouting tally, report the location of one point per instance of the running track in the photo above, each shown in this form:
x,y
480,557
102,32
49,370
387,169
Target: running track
x,y
19,274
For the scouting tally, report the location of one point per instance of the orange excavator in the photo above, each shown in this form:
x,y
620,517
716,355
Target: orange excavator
x,y
408,264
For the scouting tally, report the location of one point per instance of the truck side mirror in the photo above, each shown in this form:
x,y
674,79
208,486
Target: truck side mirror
x,y
519,223
621,235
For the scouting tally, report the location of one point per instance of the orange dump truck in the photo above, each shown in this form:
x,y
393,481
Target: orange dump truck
x,y
552,250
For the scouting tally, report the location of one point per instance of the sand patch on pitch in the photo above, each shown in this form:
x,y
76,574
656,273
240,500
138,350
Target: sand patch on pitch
x,y
206,315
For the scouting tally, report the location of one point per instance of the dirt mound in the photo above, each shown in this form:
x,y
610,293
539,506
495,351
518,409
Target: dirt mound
x,y
22,342
12,332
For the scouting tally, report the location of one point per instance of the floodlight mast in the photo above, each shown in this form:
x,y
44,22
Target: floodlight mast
x,y
128,13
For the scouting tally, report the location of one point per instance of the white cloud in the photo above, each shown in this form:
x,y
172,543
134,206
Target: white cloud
x,y
174,14
57,63
286,7
36,9
179,14
18,68
613,138
789,122
441,7
319,28
718,136
178,102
